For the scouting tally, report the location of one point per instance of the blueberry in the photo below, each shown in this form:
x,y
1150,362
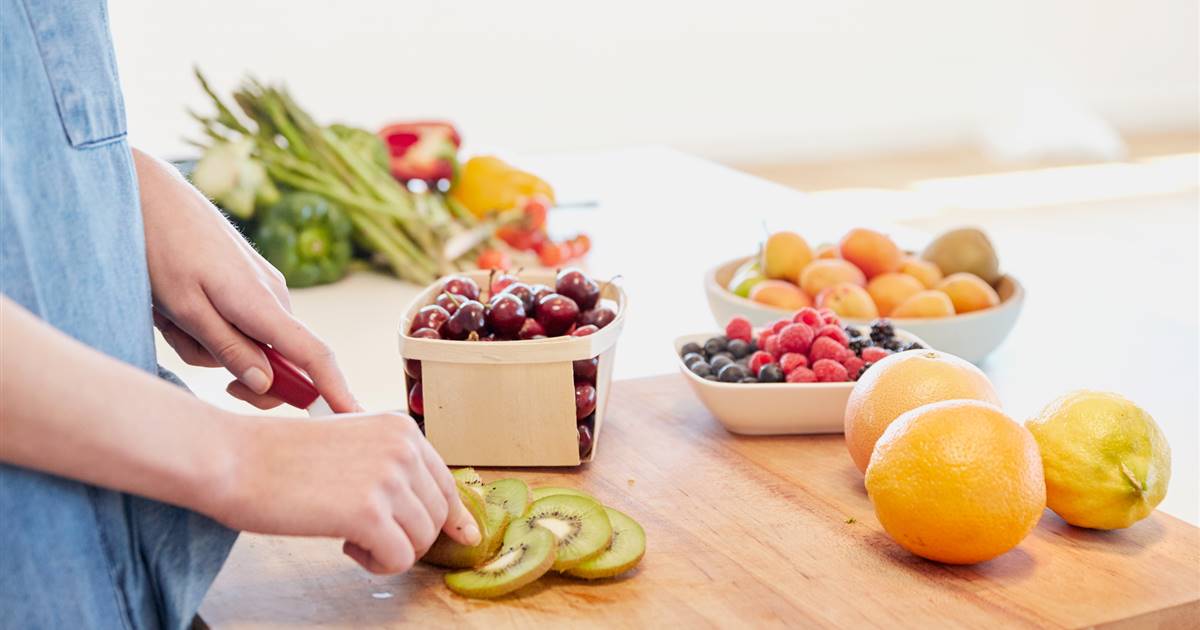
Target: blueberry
x,y
710,377
738,348
770,373
715,345
732,373
700,368
749,379
753,347
720,361
691,357
727,355
690,348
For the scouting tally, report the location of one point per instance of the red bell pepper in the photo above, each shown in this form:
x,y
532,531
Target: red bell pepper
x,y
424,150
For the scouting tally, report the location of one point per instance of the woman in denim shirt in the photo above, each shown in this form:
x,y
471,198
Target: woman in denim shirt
x,y
121,494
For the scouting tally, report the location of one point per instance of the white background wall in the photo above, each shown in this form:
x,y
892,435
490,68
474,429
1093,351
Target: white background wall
x,y
753,79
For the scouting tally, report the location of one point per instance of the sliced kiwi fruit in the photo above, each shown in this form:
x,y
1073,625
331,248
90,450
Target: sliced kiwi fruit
x,y
521,561
579,524
491,520
541,493
623,553
467,476
510,494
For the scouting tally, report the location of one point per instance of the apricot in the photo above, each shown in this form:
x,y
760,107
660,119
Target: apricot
x,y
823,273
926,271
780,293
925,304
848,300
784,255
968,292
889,290
871,251
827,250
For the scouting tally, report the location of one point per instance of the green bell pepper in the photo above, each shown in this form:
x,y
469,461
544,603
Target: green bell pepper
x,y
306,238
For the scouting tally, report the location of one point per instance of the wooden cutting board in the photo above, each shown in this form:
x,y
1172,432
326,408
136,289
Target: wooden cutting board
x,y
742,531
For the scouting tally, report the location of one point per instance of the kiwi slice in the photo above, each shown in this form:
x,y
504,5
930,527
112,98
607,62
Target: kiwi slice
x,y
467,476
521,561
510,494
579,524
623,553
491,520
541,493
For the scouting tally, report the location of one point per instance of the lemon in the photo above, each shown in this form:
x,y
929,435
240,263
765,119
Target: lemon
x,y
1107,464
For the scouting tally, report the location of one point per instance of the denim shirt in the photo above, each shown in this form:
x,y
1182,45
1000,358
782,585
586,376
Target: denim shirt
x,y
72,252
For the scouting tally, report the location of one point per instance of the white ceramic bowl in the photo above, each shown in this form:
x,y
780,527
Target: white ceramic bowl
x,y
772,408
971,336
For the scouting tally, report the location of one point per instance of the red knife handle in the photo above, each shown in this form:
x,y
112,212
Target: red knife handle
x,y
289,384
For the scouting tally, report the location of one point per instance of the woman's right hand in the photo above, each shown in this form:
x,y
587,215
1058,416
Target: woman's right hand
x,y
371,479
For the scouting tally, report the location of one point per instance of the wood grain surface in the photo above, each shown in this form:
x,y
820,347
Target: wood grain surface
x,y
742,531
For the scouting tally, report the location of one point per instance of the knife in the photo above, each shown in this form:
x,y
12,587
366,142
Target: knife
x,y
292,386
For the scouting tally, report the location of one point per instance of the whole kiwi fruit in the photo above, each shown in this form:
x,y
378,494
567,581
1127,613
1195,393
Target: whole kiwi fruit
x,y
965,249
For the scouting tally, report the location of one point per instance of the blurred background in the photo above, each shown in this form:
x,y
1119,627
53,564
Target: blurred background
x,y
940,85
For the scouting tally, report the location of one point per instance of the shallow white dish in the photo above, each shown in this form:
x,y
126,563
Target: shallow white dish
x,y
972,336
772,408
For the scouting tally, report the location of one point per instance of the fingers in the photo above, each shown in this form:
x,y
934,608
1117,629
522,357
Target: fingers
x,y
459,525
415,520
184,345
227,344
262,401
431,497
387,551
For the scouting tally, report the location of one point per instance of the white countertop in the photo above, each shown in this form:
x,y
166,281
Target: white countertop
x,y
1112,283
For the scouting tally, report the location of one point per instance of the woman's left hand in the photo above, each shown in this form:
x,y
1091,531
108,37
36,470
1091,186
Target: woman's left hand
x,y
213,293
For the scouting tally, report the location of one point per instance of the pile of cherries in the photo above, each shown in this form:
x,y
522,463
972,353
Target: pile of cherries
x,y
516,311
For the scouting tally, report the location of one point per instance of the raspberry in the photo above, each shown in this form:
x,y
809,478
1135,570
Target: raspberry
x,y
762,336
792,360
779,325
827,348
829,317
739,328
802,375
795,338
871,354
830,371
854,367
759,359
772,346
836,332
808,315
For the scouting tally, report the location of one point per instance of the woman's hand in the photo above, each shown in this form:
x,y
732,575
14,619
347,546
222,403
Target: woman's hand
x,y
211,290
371,479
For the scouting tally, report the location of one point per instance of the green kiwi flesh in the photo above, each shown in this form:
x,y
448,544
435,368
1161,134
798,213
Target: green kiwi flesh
x,y
491,520
520,562
510,494
579,523
467,476
623,553
541,493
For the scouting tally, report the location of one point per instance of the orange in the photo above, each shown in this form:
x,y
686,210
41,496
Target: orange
x,y
871,251
957,481
900,383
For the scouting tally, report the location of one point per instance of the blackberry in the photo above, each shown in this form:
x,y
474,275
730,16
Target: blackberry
x,y
858,343
852,332
913,346
893,344
862,370
881,330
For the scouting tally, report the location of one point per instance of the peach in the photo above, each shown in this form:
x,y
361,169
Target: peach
x,y
848,299
827,250
889,290
784,255
968,292
823,273
871,251
925,304
927,272
780,293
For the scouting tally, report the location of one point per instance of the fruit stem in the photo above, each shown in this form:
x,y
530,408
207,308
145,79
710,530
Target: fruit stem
x,y
1133,480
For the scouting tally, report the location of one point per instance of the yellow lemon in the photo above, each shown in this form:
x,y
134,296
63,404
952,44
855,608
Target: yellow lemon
x,y
1107,463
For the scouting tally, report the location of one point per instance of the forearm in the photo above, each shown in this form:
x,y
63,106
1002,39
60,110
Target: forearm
x,y
69,410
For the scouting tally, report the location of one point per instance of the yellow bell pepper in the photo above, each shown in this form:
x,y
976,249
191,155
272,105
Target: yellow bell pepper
x,y
488,184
